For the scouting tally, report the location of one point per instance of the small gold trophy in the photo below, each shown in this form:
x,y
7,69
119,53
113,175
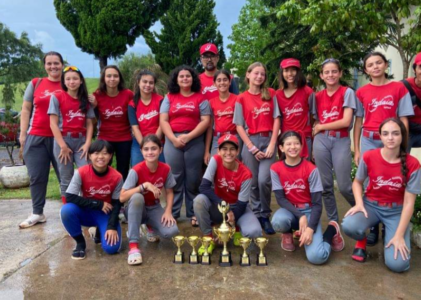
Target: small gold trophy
x,y
206,259
224,234
245,258
179,256
261,242
193,241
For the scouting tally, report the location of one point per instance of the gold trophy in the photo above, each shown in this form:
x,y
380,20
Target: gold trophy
x,y
261,242
224,234
206,259
179,256
193,241
245,258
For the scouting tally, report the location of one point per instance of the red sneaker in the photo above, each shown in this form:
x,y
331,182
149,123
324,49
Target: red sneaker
x,y
287,242
360,253
297,235
338,242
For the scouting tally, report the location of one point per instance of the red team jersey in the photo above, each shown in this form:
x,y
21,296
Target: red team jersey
x,y
208,87
228,183
184,112
74,120
148,115
114,125
223,114
40,120
295,110
96,187
417,110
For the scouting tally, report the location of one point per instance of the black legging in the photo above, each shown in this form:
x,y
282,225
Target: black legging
x,y
122,152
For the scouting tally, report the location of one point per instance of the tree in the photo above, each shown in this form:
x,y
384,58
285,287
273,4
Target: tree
x,y
187,25
105,28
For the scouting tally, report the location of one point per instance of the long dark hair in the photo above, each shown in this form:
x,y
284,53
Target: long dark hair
x,y
137,93
102,88
299,81
53,53
174,88
151,138
371,54
284,136
82,93
264,89
403,146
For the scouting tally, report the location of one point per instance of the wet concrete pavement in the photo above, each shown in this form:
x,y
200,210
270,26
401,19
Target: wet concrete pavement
x,y
36,264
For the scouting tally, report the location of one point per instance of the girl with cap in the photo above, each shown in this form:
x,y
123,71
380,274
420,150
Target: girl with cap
x,y
226,178
144,113
333,111
36,137
184,117
298,190
99,186
111,100
142,190
71,121
295,100
257,118
378,100
394,180
222,114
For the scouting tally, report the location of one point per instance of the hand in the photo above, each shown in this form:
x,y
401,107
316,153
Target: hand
x,y
399,243
260,155
107,208
317,128
184,138
84,149
178,143
111,236
355,209
303,223
207,157
270,150
306,237
167,219
22,139
231,218
65,154
150,187
357,158
92,101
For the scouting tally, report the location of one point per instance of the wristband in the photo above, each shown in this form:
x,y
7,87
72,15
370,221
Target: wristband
x,y
256,152
253,149
249,143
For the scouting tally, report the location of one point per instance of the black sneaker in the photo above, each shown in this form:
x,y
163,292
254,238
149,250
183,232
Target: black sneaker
x,y
359,255
266,225
373,236
79,254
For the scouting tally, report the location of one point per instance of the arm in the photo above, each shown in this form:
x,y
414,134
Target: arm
x,y
243,199
206,189
284,203
339,124
113,220
159,133
316,210
199,129
167,218
134,124
166,128
208,141
65,151
89,132
130,187
272,144
357,136
84,202
137,134
24,121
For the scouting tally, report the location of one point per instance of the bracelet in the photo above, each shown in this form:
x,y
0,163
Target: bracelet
x,y
253,149
256,152
249,143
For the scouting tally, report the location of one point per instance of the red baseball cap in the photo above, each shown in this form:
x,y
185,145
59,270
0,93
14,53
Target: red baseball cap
x,y
209,47
290,62
417,59
228,138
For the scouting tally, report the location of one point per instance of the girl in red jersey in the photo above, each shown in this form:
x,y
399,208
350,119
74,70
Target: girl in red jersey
x,y
36,137
298,190
144,113
334,114
111,99
222,112
378,100
184,117
394,180
257,117
99,186
72,125
142,190
295,100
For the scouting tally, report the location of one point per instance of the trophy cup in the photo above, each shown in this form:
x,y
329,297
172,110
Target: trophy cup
x,y
193,241
224,234
206,241
179,256
261,242
245,258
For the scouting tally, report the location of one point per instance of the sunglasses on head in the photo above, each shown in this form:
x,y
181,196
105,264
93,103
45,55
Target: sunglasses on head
x,y
73,68
330,60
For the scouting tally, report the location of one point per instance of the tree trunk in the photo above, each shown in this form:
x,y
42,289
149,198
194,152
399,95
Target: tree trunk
x,y
10,149
405,66
103,60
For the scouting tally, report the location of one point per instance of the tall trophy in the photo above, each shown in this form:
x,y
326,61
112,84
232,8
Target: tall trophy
x,y
206,259
193,241
245,258
261,242
224,234
179,256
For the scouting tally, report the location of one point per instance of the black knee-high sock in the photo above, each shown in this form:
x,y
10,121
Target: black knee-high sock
x,y
80,242
329,233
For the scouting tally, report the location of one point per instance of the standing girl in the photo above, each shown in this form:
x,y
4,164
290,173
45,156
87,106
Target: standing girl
x,y
36,137
112,100
142,189
222,113
257,118
72,126
298,190
99,186
394,180
184,117
144,113
334,113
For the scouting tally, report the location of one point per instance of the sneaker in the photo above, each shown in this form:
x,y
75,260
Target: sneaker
x,y
78,254
32,220
338,242
236,238
266,225
151,236
95,235
373,236
122,216
359,255
211,247
287,242
297,235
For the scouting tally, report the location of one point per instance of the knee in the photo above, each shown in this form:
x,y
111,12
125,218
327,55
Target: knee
x,y
111,249
351,228
397,265
137,201
200,203
317,257
170,232
68,211
281,224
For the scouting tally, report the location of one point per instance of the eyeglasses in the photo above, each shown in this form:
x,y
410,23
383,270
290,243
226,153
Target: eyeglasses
x,y
330,60
208,57
73,68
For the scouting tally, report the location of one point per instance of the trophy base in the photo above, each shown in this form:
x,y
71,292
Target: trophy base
x,y
206,260
225,260
193,259
244,261
261,261
178,258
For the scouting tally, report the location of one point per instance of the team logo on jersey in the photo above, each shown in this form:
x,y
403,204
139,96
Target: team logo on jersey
x,y
148,116
209,89
226,184
296,110
48,94
332,114
75,114
264,109
394,183
226,112
116,112
189,106
159,183
386,103
298,185
103,191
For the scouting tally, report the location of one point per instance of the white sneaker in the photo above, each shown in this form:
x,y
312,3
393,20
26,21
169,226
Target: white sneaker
x,y
32,220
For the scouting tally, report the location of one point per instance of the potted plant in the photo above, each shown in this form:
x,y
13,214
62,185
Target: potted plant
x,y
416,223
